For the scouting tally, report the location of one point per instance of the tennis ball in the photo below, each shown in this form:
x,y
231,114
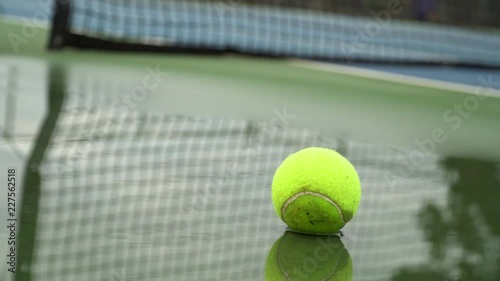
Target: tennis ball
x,y
296,256
316,190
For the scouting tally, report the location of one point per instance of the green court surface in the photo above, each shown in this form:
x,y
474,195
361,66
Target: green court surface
x,y
176,185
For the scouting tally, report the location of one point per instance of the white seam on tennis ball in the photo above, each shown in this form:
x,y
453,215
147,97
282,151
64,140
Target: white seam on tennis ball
x,y
297,195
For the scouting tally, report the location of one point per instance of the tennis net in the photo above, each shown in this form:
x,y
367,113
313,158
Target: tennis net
x,y
325,30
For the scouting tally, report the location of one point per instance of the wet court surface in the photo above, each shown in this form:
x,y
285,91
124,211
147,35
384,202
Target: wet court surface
x,y
140,194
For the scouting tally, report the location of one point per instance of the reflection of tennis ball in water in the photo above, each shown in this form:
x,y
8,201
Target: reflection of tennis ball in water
x,y
296,256
316,190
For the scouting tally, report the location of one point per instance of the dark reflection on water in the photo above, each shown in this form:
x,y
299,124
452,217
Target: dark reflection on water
x,y
301,257
464,235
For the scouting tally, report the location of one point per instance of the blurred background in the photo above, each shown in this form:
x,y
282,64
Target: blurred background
x,y
145,135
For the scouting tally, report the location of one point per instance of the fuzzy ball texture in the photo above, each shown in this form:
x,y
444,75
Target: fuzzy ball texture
x,y
316,190
297,257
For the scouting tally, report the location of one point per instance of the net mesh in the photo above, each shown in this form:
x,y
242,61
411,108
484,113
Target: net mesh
x,y
320,29
127,195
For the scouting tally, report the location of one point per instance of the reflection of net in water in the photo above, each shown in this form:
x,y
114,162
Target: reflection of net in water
x,y
171,194
126,196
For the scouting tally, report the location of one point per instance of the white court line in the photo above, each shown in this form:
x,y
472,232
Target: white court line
x,y
394,78
19,21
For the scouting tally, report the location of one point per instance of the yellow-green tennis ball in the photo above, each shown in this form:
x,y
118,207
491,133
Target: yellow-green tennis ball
x,y
316,190
297,257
